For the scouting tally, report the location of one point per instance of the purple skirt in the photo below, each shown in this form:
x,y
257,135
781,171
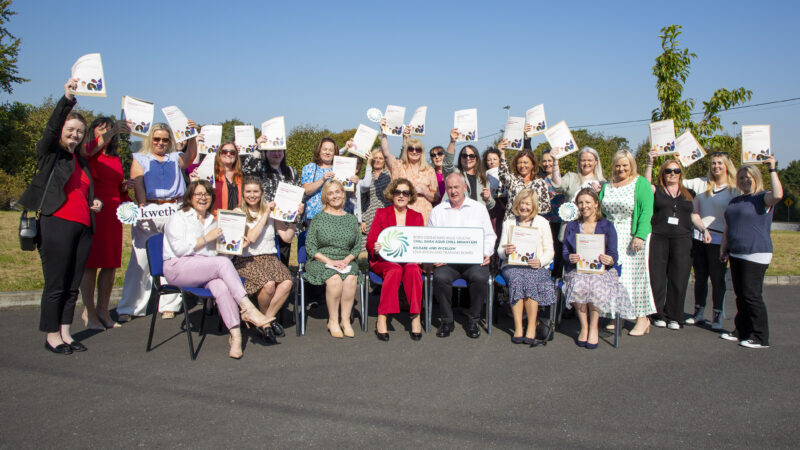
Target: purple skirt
x,y
527,282
604,291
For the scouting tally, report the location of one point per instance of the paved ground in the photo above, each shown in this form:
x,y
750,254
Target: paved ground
x,y
668,389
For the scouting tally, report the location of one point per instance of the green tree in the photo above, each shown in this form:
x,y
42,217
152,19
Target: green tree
x,y
605,146
303,139
9,50
790,180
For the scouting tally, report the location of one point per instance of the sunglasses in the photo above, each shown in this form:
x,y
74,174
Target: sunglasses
x,y
414,150
676,171
156,140
469,156
227,152
403,193
435,154
719,154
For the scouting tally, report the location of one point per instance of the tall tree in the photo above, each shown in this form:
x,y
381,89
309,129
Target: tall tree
x,y
9,49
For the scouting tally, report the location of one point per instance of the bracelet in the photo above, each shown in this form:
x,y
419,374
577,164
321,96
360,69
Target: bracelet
x,y
772,170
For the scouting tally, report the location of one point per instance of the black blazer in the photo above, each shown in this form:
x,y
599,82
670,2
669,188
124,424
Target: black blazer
x,y
49,153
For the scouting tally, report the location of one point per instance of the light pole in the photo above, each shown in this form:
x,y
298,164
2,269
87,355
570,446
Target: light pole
x,y
734,128
508,113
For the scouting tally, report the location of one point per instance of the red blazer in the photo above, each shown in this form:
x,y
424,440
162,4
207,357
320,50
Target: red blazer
x,y
385,218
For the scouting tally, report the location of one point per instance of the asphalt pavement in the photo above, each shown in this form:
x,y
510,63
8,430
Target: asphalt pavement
x,y
667,389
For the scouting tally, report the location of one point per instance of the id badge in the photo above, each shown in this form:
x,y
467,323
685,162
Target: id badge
x,y
672,220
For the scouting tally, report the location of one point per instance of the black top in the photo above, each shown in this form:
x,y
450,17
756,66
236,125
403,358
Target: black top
x,y
472,180
233,194
666,209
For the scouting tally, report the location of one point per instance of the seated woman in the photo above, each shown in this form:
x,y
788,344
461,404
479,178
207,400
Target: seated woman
x,y
264,274
400,192
190,259
333,241
530,283
599,293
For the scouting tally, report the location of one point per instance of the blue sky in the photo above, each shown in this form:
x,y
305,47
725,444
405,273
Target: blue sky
x,y
326,63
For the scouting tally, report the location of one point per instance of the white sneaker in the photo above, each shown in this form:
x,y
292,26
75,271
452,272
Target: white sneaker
x,y
658,323
689,321
752,344
673,325
729,336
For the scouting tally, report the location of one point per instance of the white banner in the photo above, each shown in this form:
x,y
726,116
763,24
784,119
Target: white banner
x,y
129,213
432,245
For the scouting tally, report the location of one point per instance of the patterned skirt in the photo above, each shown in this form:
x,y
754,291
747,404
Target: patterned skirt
x,y
527,282
259,270
604,291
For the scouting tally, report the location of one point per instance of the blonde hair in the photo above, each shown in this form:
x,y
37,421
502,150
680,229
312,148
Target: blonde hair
x,y
147,143
598,168
624,153
262,207
327,187
729,168
525,194
423,164
753,171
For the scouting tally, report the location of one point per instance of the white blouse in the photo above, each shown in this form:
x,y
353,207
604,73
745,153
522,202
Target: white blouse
x,y
265,244
182,232
544,250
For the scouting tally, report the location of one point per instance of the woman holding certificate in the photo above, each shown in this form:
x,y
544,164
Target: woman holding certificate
x,y
227,177
376,180
264,274
401,192
470,165
627,201
158,179
190,259
522,175
526,246
413,167
748,246
547,169
591,281
316,174
437,159
333,243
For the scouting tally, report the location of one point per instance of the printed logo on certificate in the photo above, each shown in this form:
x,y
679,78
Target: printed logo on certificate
x,y
233,225
560,139
662,137
363,141
514,133
689,150
535,117
212,138
179,123
138,114
344,167
288,199
394,115
88,69
525,240
589,247
245,138
274,131
465,121
417,123
755,143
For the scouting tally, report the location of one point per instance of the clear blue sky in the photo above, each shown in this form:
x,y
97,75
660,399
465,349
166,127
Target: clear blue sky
x,y
326,63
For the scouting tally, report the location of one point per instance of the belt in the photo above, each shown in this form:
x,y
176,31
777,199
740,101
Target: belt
x,y
161,201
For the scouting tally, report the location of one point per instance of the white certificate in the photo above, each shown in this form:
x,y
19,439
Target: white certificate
x,y
275,131
88,69
589,247
662,137
394,115
179,123
233,225
525,240
138,114
288,199
344,167
363,140
466,122
417,123
689,150
535,117
212,138
514,132
560,139
755,143
205,171
245,138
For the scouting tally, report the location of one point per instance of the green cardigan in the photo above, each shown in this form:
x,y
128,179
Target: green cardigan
x,y
643,208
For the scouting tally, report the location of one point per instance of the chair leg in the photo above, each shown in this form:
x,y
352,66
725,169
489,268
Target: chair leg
x,y
204,303
302,308
424,302
616,331
297,304
365,304
429,313
489,305
156,297
186,323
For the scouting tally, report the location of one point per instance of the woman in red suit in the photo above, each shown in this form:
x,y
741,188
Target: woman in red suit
x,y
106,253
400,192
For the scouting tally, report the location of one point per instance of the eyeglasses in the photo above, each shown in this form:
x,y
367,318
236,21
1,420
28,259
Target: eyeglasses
x,y
202,194
676,171
435,154
398,192
227,152
469,156
414,150
156,140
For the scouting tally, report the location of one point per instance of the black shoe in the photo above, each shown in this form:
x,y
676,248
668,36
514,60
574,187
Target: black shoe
x,y
517,340
60,349
444,330
474,331
76,346
382,336
277,329
267,334
416,336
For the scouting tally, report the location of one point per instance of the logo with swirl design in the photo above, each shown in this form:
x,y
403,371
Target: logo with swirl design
x,y
568,212
394,244
128,213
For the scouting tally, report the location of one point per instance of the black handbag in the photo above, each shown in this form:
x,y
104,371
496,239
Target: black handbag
x,y
544,329
29,226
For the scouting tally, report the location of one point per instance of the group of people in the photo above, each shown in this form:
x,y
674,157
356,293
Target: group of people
x,y
654,232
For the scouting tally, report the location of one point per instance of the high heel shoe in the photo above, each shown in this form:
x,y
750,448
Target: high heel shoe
x,y
634,333
347,330
235,353
382,336
252,316
336,332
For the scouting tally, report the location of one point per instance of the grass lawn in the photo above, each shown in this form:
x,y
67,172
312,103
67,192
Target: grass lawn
x,y
21,271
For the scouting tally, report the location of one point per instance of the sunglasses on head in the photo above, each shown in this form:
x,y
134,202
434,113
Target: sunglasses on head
x,y
414,150
719,154
404,193
156,140
439,153
676,171
469,156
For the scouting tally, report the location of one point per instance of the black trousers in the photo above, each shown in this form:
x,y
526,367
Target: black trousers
x,y
477,277
284,250
751,312
64,248
706,263
670,264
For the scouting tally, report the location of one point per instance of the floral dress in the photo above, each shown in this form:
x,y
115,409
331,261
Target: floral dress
x,y
311,173
618,205
514,185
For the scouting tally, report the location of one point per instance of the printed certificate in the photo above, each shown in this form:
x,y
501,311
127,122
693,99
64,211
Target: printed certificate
x,y
212,138
138,114
275,131
233,225
560,138
535,117
205,171
344,167
514,132
417,123
466,122
179,123
363,140
394,115
245,138
755,143
88,69
525,241
689,150
589,247
662,137
288,199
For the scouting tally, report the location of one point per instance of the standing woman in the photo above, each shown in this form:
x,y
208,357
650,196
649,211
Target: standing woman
x,y
413,167
157,173
334,239
106,252
401,191
530,285
628,203
67,205
748,246
227,177
523,175
546,170
437,159
315,175
376,180
590,174
469,164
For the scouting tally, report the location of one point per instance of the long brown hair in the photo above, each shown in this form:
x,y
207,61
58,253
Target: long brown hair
x,y
528,153
219,170
684,192
480,171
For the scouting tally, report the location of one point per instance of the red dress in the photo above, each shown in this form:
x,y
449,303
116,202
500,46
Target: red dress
x,y
107,240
